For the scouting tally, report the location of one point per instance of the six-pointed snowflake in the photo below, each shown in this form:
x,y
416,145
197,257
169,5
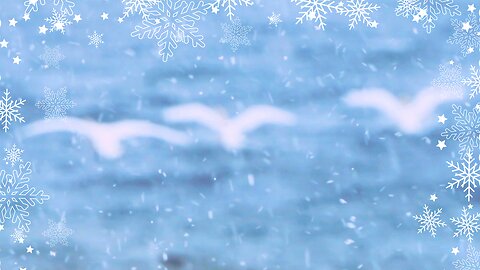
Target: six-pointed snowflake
x,y
274,19
426,11
9,110
450,80
172,22
137,7
465,130
18,236
229,6
429,221
235,34
471,262
95,39
467,224
58,21
55,103
13,155
52,57
467,175
57,233
16,197
473,81
467,34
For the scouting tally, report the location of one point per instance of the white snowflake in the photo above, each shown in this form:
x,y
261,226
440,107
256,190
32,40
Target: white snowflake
x,y
429,221
16,197
58,21
467,224
52,57
465,130
57,233
471,262
18,236
95,39
473,81
467,175
274,19
356,10
426,11
172,22
450,80
229,6
56,103
9,110
65,5
235,34
467,34
13,155
137,7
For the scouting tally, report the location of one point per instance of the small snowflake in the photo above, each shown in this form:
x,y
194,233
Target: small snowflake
x,y
229,6
466,225
467,34
429,221
465,130
471,262
95,39
56,103
58,21
57,233
52,57
13,155
467,175
9,110
450,80
137,7
235,34
18,236
274,19
426,11
473,81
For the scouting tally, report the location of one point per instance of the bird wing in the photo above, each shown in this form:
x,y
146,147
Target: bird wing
x,y
138,128
69,124
197,113
378,99
259,115
428,100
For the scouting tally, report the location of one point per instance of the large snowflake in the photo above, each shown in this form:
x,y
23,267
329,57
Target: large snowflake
x,y
229,6
450,80
172,22
473,81
9,110
55,103
467,175
467,34
471,262
52,57
316,10
429,221
465,130
467,224
426,11
137,7
16,197
235,34
57,233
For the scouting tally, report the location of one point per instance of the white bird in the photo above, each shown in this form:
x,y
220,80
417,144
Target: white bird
x,y
231,131
106,138
412,117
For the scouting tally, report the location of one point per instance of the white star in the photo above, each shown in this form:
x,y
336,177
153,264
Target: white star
x,y
466,26
42,29
29,249
455,250
21,240
120,20
374,24
77,18
451,62
215,9
441,145
3,43
471,8
442,119
53,253
12,22
470,206
433,197
17,60
470,50
104,16
26,16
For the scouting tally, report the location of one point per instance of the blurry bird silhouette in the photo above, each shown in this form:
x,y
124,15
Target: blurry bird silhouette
x,y
106,138
412,117
231,131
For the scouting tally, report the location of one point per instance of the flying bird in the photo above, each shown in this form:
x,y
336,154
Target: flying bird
x,y
411,117
231,131
106,138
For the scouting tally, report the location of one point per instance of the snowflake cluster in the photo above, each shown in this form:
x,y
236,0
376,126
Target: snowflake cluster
x,y
62,10
471,262
466,32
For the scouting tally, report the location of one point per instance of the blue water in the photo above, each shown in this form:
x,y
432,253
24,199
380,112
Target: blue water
x,y
336,191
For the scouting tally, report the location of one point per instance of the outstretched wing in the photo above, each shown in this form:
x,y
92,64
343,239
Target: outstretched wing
x,y
69,124
429,99
196,113
377,99
260,115
137,128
